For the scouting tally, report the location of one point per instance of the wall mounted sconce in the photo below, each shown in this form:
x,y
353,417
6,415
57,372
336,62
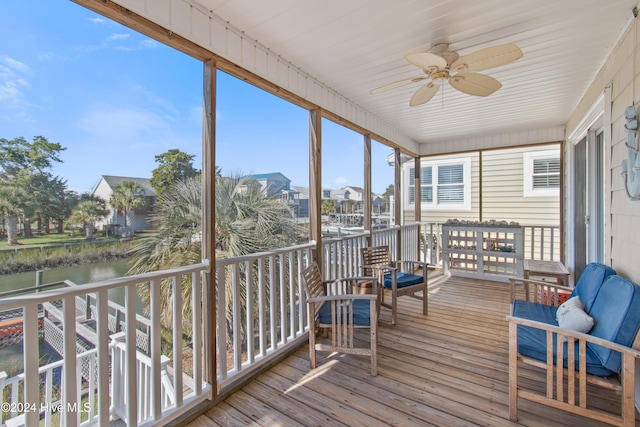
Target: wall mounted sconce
x,y
631,165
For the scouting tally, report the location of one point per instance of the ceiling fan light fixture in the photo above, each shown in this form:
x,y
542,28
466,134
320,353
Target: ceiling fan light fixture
x,y
440,77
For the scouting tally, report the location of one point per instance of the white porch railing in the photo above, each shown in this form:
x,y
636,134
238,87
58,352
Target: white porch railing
x,y
144,374
261,313
341,256
98,407
541,242
86,383
260,309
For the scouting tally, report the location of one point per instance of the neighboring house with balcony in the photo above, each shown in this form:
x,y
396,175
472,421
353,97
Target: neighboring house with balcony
x,y
104,190
275,184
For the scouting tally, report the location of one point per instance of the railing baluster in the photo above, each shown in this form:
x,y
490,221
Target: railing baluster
x,y
250,317
273,319
131,360
31,375
221,280
48,396
155,350
292,296
176,288
283,301
196,308
70,394
262,307
237,326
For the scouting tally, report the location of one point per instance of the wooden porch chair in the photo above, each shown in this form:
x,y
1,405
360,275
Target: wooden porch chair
x,y
397,277
337,306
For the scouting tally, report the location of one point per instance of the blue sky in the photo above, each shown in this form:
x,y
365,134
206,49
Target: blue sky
x,y
115,99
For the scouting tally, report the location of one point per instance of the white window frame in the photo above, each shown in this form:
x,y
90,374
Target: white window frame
x,y
435,205
527,160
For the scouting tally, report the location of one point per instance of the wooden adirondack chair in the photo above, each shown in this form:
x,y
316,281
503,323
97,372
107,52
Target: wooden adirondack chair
x,y
337,306
397,277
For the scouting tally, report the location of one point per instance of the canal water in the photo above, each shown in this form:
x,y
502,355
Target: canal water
x,y
78,274
11,357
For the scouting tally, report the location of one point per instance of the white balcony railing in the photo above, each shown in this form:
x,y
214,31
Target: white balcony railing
x,y
81,385
261,312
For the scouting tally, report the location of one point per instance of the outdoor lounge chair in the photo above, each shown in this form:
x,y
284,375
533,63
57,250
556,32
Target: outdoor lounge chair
x,y
396,276
337,305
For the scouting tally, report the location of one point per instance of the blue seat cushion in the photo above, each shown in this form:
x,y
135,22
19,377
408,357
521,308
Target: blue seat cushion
x,y
532,342
403,280
615,318
361,312
593,276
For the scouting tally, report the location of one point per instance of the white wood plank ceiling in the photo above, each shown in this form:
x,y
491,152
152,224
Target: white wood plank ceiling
x,y
353,46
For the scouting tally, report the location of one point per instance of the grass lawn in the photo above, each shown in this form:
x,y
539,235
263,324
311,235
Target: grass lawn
x,y
51,239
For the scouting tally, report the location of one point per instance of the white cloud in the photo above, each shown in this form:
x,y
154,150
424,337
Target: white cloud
x,y
15,64
149,44
118,36
13,103
51,56
97,20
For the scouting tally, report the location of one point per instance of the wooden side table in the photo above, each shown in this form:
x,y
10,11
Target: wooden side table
x,y
554,269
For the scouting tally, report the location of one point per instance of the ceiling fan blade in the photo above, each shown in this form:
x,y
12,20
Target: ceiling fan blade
x,y
474,84
424,94
428,61
397,84
487,58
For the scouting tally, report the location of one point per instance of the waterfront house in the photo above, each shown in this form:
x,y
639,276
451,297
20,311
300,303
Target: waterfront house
x,y
104,189
573,86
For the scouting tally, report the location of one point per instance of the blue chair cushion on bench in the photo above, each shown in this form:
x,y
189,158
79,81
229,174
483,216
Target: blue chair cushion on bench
x,y
593,276
532,342
361,313
615,320
403,280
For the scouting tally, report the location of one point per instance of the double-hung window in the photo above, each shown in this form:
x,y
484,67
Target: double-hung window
x,y
444,185
541,173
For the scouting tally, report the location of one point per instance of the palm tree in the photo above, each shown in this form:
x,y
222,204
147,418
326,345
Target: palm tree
x,y
87,213
246,222
126,197
10,202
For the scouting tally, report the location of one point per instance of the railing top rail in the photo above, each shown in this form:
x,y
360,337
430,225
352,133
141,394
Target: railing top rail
x,y
36,288
346,237
222,262
46,296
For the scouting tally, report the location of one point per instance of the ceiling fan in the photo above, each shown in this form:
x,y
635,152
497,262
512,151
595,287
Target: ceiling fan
x,y
442,66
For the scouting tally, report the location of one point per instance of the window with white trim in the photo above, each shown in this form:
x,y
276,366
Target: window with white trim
x,y
444,185
542,173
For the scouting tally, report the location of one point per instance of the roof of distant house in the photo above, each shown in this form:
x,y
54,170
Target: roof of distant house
x,y
266,175
142,182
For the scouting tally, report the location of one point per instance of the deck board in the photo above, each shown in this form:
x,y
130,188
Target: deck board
x,y
449,368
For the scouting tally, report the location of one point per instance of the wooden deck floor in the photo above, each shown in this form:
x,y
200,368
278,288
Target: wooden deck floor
x,y
445,369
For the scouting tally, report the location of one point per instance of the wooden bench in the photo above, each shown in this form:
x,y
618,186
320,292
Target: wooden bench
x,y
554,269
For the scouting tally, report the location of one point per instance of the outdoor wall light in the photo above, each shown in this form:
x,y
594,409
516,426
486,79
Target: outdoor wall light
x,y
631,165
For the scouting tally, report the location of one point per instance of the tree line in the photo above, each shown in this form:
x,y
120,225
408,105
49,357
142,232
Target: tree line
x,y
32,197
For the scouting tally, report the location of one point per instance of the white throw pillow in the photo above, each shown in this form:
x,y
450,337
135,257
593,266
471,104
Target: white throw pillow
x,y
573,302
573,317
